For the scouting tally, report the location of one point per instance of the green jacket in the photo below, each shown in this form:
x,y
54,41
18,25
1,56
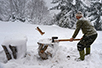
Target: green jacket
x,y
85,26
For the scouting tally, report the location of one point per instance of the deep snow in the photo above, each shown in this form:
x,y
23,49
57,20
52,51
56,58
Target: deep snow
x,y
60,60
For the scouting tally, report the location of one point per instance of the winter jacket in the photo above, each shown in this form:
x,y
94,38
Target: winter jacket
x,y
86,27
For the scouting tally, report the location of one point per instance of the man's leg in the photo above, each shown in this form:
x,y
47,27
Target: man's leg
x,y
88,50
86,41
89,41
81,51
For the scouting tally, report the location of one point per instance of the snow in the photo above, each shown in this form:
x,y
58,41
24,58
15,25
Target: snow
x,y
16,40
65,54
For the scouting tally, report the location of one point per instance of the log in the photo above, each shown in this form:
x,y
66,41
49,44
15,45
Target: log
x,y
40,31
46,48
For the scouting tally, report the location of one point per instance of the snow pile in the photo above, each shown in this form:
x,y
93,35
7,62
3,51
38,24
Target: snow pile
x,y
2,56
65,54
15,40
18,41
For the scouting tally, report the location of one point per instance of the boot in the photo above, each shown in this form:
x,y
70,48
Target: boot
x,y
87,51
82,55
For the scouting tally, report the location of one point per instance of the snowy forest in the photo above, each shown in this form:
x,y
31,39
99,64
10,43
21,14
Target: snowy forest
x,y
36,12
24,10
92,9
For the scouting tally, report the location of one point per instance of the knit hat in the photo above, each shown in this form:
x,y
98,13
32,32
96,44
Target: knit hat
x,y
79,13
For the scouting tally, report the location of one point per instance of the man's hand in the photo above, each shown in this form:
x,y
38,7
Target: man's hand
x,y
71,39
82,37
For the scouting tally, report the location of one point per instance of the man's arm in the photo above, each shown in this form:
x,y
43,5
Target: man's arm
x,y
78,26
76,32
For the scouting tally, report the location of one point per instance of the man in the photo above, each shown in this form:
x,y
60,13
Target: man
x,y
88,38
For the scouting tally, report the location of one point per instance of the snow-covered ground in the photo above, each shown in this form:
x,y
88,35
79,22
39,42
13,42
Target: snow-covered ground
x,y
60,60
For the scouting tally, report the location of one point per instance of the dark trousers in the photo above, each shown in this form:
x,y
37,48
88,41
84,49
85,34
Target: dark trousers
x,y
86,41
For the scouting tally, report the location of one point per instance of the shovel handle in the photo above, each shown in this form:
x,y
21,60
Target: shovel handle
x,y
66,40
